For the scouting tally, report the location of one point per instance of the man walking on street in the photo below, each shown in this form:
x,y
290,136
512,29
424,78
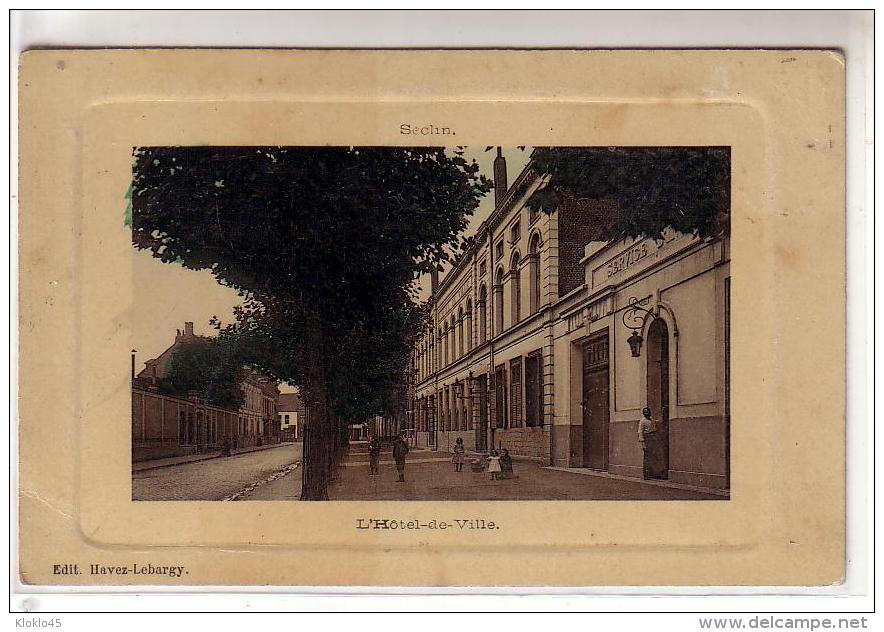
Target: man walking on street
x,y
400,449
374,455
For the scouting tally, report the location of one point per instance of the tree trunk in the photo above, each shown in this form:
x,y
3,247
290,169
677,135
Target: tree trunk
x,y
316,460
314,475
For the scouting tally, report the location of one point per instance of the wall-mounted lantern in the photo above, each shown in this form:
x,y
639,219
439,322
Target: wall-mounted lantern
x,y
633,318
635,343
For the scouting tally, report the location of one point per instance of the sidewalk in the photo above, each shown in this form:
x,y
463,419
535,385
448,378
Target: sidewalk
x,y
153,464
431,476
585,471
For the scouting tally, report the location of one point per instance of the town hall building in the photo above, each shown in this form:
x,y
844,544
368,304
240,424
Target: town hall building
x,y
545,340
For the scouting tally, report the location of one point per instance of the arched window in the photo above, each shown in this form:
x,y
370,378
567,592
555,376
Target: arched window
x,y
452,340
482,306
497,304
516,283
442,352
534,262
460,324
469,325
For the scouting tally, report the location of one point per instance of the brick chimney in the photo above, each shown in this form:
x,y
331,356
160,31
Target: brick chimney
x,y
188,330
499,178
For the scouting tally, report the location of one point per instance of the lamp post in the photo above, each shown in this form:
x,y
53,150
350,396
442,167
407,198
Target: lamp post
x,y
633,319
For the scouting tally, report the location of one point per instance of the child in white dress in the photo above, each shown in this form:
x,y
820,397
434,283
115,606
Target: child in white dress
x,y
494,465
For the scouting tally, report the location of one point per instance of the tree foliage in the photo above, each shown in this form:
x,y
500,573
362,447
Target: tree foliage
x,y
211,367
653,188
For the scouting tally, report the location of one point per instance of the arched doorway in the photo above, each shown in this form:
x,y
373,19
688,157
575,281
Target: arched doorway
x,y
657,451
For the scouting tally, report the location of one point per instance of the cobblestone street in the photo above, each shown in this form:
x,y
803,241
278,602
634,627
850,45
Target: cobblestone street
x,y
215,479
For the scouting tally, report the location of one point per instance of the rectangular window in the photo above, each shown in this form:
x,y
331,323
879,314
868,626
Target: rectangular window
x,y
498,250
596,353
482,267
516,232
534,389
470,387
498,385
516,392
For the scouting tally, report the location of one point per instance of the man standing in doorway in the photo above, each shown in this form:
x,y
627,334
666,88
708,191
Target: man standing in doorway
x,y
400,449
647,430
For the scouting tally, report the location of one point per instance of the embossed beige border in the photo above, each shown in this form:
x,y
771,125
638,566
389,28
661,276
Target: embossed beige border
x,y
781,111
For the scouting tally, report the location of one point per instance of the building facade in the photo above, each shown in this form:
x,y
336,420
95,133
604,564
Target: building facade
x,y
531,344
485,364
196,425
258,419
292,415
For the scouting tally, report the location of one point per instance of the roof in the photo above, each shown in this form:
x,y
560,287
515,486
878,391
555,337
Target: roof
x,y
164,360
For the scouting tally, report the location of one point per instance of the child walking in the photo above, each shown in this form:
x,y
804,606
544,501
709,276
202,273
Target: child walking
x,y
494,465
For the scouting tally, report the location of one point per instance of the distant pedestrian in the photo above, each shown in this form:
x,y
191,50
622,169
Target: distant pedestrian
x,y
494,465
400,449
459,452
374,455
506,464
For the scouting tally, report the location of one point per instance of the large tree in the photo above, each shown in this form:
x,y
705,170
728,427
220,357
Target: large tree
x,y
652,188
324,244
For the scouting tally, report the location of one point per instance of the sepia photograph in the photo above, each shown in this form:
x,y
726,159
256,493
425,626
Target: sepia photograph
x,y
430,323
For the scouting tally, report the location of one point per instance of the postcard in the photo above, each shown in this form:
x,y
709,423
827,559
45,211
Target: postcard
x,y
432,318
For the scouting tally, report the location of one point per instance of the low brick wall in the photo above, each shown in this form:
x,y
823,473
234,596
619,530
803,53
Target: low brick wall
x,y
528,442
421,439
160,450
447,440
